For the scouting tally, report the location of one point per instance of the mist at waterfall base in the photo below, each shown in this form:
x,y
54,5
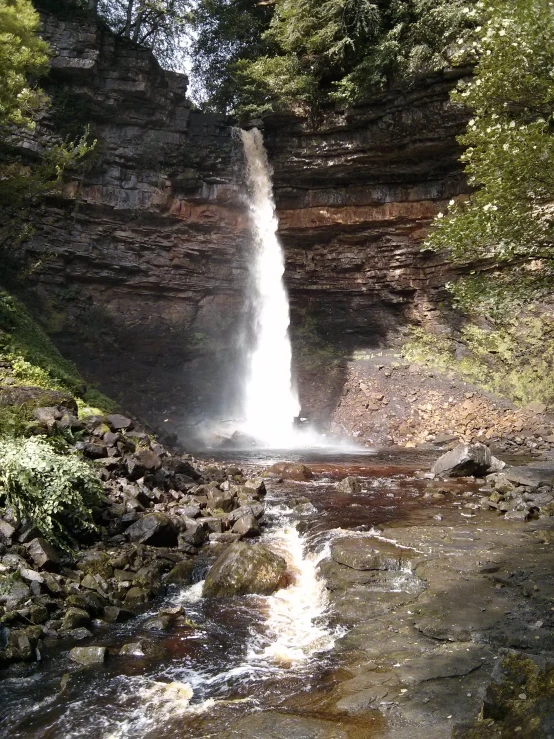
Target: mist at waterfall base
x,y
268,409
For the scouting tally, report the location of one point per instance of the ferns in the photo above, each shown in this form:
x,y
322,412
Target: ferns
x,y
54,492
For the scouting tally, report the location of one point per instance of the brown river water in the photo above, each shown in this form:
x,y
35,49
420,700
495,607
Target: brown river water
x,y
241,655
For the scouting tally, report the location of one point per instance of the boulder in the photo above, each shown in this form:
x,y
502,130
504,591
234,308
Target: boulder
x,y
42,553
118,422
350,485
464,460
6,531
75,617
47,416
247,526
133,649
136,597
181,574
149,460
257,485
35,397
88,655
245,568
220,500
155,529
290,471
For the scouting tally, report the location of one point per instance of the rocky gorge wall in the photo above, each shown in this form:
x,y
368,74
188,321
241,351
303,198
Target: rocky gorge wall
x,y
143,258
355,198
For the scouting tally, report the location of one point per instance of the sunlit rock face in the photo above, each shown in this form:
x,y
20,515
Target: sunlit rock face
x,y
355,196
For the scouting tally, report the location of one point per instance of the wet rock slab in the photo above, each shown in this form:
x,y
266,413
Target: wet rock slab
x,y
274,725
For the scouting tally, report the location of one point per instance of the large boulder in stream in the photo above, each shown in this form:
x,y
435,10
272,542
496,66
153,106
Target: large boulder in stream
x,y
245,569
467,459
290,471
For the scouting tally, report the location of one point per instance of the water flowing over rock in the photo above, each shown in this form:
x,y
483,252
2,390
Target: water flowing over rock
x,y
243,569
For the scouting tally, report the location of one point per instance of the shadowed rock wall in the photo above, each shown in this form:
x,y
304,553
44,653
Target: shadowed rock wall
x,y
143,258
355,199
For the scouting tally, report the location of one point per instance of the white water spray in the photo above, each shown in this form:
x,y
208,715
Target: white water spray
x,y
270,402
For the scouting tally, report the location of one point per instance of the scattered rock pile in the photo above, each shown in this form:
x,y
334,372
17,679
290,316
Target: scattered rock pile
x,y
158,510
386,401
519,494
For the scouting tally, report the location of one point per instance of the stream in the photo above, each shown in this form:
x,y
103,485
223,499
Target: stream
x,y
239,655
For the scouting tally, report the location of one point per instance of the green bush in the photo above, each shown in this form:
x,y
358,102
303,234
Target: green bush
x,y
54,492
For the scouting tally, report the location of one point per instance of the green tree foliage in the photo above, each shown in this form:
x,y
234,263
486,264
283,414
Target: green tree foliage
x,y
305,52
23,58
23,55
158,24
54,492
507,225
225,32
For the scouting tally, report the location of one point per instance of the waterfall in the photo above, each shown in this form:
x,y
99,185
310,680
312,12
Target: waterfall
x,y
270,402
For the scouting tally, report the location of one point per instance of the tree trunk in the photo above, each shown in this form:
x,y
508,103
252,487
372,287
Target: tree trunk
x,y
129,19
138,25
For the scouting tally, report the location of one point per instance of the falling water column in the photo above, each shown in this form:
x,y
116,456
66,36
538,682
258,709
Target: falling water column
x,y
270,403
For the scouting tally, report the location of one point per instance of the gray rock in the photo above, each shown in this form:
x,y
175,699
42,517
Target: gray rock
x,y
245,568
118,422
350,485
43,554
464,459
133,649
257,485
181,574
155,529
149,460
6,531
220,500
247,526
136,597
88,655
75,617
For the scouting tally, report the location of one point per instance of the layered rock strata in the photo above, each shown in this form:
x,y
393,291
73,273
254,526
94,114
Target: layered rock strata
x,y
355,198
143,255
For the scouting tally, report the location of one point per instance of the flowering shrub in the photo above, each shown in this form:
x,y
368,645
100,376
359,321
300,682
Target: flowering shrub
x,y
508,222
54,492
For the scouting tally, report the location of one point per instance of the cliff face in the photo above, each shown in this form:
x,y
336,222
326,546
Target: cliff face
x,y
355,199
143,258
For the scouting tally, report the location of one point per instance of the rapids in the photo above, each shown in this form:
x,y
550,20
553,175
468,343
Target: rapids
x,y
240,655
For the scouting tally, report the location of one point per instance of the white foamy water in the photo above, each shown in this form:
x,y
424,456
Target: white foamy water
x,y
295,627
270,402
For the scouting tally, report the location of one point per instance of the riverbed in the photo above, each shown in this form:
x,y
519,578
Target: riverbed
x,y
340,652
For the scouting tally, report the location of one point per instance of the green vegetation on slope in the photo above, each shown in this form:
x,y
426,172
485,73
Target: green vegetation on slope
x,y
54,492
507,225
35,360
512,357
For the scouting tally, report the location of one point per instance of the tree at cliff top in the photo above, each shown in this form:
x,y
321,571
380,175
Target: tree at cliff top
x,y
23,58
160,25
305,52
507,225
23,55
